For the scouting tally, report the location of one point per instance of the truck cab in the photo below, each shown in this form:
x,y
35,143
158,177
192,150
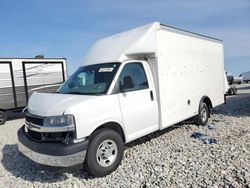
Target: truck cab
x,y
95,97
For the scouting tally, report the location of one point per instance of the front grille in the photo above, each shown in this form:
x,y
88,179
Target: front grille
x,y
50,137
55,136
33,119
35,135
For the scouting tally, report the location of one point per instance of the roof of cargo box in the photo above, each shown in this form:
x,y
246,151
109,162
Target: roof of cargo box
x,y
135,43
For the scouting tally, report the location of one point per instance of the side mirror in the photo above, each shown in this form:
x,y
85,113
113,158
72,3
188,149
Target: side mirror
x,y
128,83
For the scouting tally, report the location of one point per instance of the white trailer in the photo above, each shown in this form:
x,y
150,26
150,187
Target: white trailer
x,y
130,84
20,77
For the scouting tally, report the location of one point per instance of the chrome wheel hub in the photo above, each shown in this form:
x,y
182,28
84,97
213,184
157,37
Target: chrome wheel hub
x,y
106,153
203,114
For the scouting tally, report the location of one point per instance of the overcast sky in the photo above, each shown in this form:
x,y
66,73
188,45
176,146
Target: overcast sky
x,y
60,28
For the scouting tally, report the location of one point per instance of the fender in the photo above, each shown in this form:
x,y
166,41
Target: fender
x,y
110,121
208,102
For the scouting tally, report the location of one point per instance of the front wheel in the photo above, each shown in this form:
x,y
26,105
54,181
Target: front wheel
x,y
203,115
105,152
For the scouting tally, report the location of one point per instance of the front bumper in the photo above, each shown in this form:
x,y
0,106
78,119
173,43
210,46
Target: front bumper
x,y
52,154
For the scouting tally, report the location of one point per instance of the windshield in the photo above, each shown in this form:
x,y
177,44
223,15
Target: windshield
x,y
90,80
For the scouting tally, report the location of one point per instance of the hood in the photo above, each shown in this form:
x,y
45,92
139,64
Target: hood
x,y
48,104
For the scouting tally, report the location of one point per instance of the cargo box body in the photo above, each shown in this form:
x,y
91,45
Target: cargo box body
x,y
189,67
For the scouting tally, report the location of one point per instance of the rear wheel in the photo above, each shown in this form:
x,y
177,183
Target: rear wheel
x,y
105,152
3,117
203,115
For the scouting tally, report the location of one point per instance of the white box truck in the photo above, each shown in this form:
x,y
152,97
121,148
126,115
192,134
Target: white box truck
x,y
20,77
130,84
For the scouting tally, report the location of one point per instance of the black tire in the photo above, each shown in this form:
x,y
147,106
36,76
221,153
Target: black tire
x,y
203,114
235,90
230,91
97,140
3,117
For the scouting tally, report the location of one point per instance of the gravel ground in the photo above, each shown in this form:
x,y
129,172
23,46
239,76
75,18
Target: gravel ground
x,y
218,155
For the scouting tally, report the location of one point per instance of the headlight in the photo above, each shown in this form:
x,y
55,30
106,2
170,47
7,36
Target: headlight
x,y
64,120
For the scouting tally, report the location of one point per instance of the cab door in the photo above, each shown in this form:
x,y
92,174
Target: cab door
x,y
137,98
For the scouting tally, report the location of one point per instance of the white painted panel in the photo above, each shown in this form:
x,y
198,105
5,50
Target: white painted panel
x,y
188,69
120,47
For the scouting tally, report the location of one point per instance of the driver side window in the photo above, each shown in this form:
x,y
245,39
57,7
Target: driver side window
x,y
136,75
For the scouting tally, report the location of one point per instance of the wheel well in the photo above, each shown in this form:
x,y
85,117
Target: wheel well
x,y
114,126
207,101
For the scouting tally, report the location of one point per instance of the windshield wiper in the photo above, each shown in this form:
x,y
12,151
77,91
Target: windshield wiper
x,y
81,93
92,93
74,92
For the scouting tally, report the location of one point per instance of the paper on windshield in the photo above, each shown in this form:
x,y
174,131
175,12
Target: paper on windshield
x,y
106,69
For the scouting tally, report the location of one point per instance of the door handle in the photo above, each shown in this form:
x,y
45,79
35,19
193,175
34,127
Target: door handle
x,y
151,95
